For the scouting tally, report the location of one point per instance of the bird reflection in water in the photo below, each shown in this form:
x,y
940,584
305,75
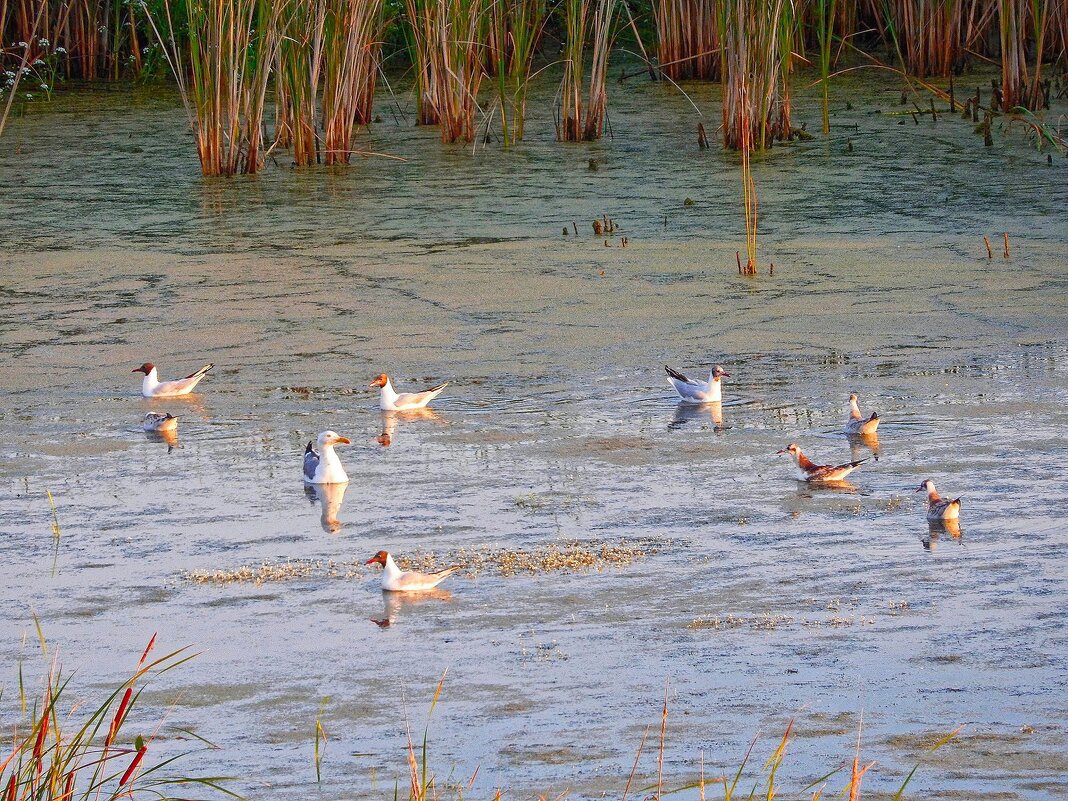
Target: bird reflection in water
x,y
396,603
937,530
162,427
703,412
390,420
859,442
330,497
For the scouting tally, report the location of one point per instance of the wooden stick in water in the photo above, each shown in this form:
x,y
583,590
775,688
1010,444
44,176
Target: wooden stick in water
x,y
1006,235
989,250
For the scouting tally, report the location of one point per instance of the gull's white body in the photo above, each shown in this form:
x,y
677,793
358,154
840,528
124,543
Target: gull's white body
x,y
158,421
152,387
324,466
396,580
692,390
856,423
389,400
937,508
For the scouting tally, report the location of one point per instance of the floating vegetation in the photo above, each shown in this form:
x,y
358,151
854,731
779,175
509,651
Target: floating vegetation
x,y
569,557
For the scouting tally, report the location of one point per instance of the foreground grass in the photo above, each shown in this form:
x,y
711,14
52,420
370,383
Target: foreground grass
x,y
60,753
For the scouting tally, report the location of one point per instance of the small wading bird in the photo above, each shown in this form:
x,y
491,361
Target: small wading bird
x,y
396,580
807,470
856,423
938,509
390,401
152,387
692,390
160,422
323,466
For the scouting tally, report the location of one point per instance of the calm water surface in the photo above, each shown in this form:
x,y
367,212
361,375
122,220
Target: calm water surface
x,y
558,425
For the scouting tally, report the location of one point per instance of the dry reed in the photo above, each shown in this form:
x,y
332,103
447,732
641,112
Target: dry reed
x,y
351,42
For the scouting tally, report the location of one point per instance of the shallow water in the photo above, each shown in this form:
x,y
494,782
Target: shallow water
x,y
557,426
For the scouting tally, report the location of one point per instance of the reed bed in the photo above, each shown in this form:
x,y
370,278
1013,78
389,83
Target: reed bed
x,y
60,752
297,78
516,29
351,43
231,49
585,23
458,57
687,41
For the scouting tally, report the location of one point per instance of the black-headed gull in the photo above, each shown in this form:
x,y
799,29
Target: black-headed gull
x,y
396,580
856,423
391,401
807,470
938,509
160,422
323,466
691,390
152,387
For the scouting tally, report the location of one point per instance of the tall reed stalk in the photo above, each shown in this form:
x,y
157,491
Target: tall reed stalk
x,y
351,37
232,46
825,18
578,120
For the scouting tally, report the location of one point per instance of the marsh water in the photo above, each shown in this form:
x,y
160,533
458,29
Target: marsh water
x,y
755,600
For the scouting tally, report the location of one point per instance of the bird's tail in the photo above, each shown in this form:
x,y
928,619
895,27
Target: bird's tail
x,y
676,374
441,575
439,387
955,502
202,370
309,448
859,463
874,416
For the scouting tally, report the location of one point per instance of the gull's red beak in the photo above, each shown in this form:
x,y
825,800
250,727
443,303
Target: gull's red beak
x,y
343,441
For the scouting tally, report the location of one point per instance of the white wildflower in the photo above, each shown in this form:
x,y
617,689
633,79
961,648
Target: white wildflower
x,y
61,50
43,42
44,87
23,45
39,63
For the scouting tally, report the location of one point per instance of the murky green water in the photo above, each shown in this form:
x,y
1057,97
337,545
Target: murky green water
x,y
558,425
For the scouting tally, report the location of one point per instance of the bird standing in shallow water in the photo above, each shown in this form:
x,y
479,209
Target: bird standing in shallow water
x,y
855,421
691,390
152,387
938,509
323,466
807,470
396,580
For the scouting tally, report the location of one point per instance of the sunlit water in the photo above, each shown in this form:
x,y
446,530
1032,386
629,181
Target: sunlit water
x,y
558,425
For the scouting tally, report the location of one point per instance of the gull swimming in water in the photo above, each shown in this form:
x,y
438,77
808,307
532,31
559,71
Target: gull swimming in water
x,y
390,400
396,580
152,387
856,423
692,390
158,422
807,470
323,466
938,509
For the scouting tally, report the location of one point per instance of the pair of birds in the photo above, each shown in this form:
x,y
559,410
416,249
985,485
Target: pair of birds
x,y
695,391
322,465
152,387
